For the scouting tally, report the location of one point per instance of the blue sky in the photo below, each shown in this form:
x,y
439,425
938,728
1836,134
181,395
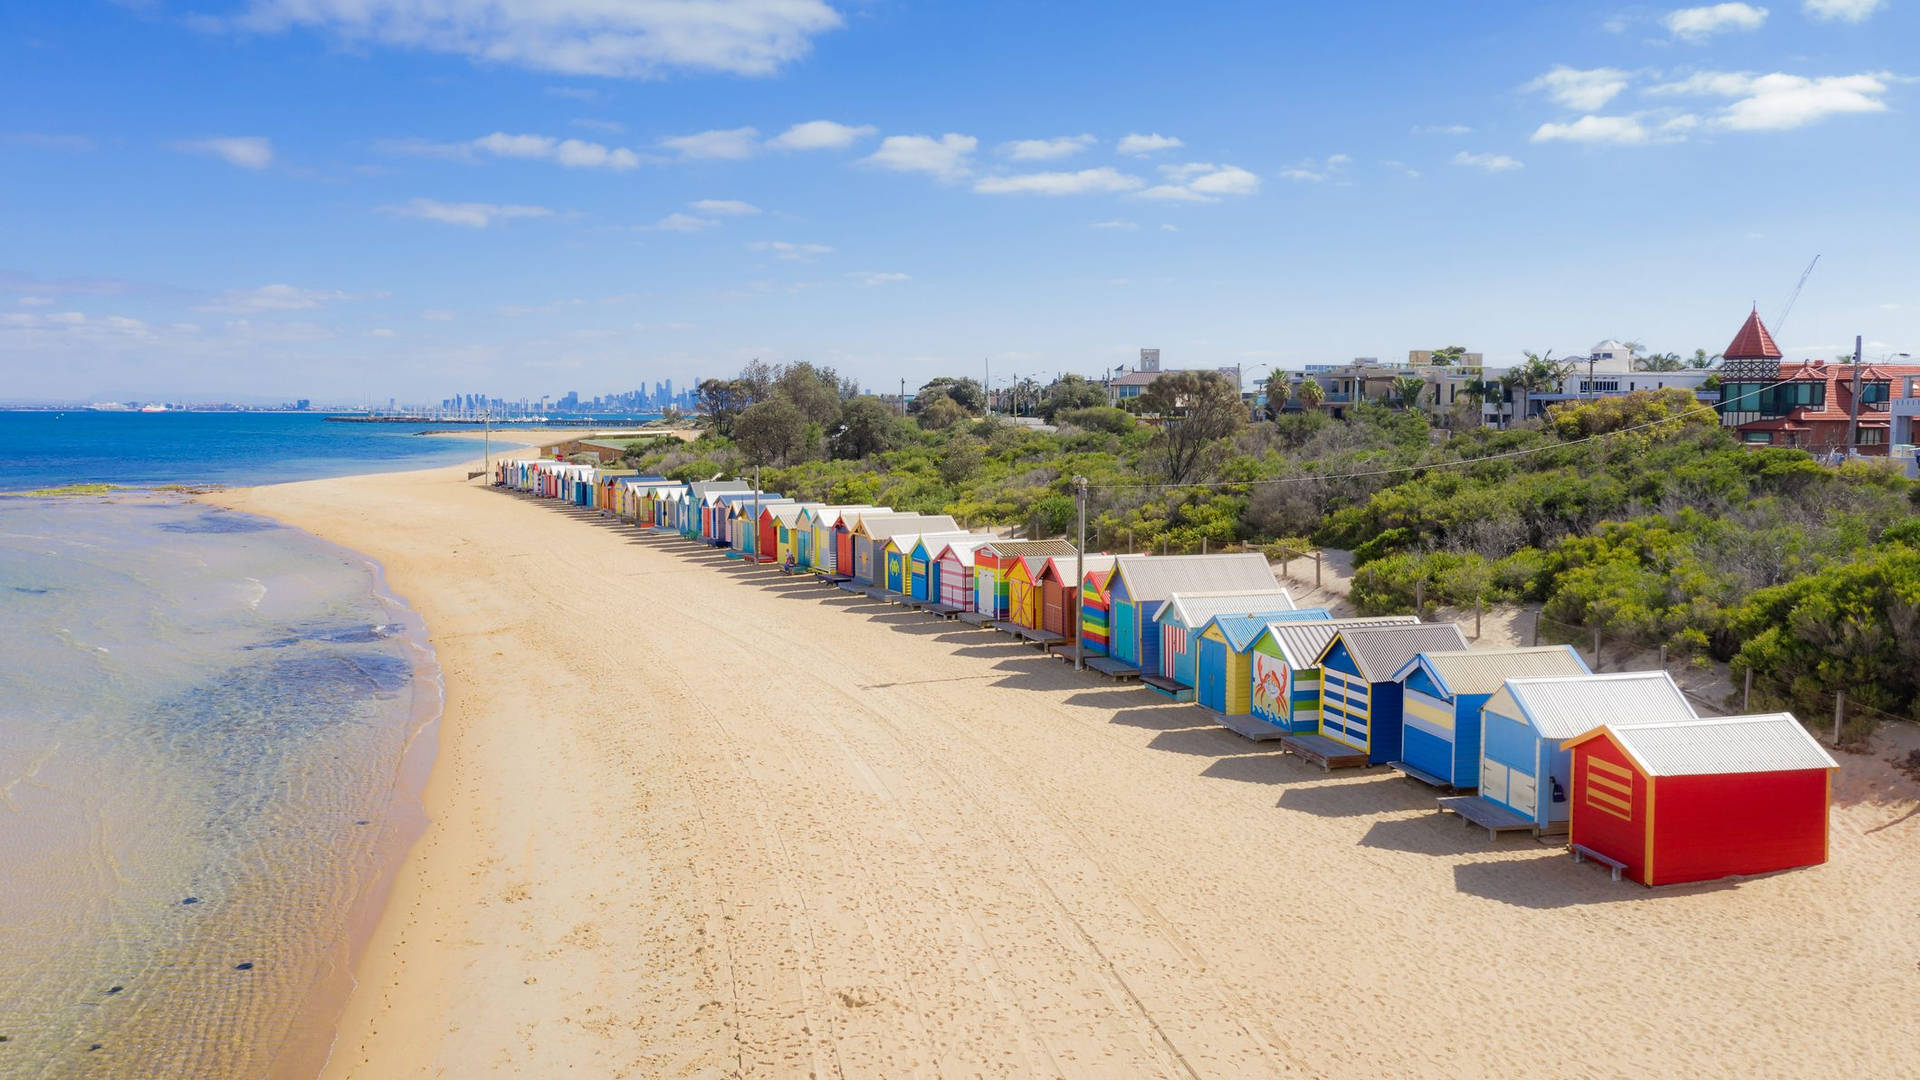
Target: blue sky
x,y
345,199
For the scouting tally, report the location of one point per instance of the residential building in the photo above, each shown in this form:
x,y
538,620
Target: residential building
x,y
1826,408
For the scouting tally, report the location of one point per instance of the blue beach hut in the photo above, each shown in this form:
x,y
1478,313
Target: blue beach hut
x,y
1442,699
1139,584
1223,659
1360,703
1180,619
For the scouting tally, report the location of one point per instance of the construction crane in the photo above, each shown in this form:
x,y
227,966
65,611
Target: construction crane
x,y
1781,321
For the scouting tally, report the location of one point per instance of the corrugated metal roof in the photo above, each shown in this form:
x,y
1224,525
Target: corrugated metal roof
x,y
887,528
1014,549
1064,564
788,513
1481,671
1240,630
906,542
962,549
1560,708
705,487
1157,577
1719,745
1379,651
1302,643
1194,609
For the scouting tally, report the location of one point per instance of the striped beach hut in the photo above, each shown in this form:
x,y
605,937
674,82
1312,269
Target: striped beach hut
x,y
1061,589
993,562
1441,702
1360,703
898,553
1095,628
1525,769
1700,799
1223,657
1181,617
923,563
825,526
871,535
1139,584
953,573
1285,687
777,531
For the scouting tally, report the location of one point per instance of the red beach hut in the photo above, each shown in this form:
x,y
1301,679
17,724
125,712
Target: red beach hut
x,y
1696,800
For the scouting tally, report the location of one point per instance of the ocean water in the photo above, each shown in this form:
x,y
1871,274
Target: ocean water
x,y
54,449
213,735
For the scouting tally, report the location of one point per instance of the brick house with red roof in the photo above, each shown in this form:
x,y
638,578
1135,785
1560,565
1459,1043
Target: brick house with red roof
x,y
1810,404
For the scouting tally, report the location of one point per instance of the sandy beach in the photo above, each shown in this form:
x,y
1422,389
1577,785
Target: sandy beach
x,y
692,819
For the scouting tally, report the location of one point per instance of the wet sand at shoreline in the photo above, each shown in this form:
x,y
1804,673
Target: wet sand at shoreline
x,y
692,819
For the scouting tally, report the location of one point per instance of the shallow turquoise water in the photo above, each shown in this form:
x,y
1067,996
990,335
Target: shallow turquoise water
x,y
203,719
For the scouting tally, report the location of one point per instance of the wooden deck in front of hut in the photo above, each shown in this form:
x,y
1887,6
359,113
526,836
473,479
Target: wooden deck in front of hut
x,y
1421,775
980,619
1113,669
1160,684
1246,726
1324,752
1044,639
1487,814
947,611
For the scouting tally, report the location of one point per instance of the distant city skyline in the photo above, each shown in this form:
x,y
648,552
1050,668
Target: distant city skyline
x,y
357,199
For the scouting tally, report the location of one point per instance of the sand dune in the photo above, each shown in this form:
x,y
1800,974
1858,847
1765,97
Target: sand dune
x,y
691,819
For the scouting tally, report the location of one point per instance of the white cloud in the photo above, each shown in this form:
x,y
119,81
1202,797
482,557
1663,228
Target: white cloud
x,y
270,298
1204,181
471,215
1442,129
1118,224
1696,23
1313,171
946,157
1142,145
573,37
685,223
728,207
871,278
733,144
1493,163
241,151
821,135
1229,180
1625,130
577,93
1085,181
1403,169
1046,149
1781,102
1175,193
572,153
792,252
1841,10
1577,89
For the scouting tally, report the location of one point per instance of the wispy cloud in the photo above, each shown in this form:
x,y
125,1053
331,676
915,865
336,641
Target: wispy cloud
x,y
1059,146
1442,129
471,215
1085,181
1202,181
576,93
871,278
1493,163
1315,171
947,157
1624,130
572,153
821,135
1116,224
1699,23
1586,90
269,298
732,144
1142,145
792,252
1841,10
1780,102
683,223
728,207
572,37
242,151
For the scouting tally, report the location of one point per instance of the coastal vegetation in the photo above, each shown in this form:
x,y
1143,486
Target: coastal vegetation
x,y
1636,516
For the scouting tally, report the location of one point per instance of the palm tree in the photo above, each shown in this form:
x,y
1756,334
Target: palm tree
x,y
1408,389
1312,393
1660,362
1701,360
1540,374
1279,391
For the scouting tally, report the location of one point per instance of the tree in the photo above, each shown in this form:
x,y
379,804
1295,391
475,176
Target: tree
x,y
961,459
771,432
1279,392
814,391
965,393
721,402
1660,362
1539,375
1312,394
1450,355
1098,418
867,427
1198,410
1072,392
941,413
1701,359
1407,389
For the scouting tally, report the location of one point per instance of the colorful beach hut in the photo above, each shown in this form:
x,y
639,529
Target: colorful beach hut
x,y
1096,628
923,563
1024,592
1700,799
1139,584
1181,616
1360,703
1060,593
1285,676
993,563
898,553
871,536
829,524
778,531
743,531
953,574
1223,657
1524,768
1442,698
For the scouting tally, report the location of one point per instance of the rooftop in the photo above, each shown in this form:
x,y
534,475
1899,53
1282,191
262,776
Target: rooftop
x,y
1719,745
1482,671
1561,708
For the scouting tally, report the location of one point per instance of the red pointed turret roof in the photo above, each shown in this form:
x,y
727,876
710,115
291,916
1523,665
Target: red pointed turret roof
x,y
1752,342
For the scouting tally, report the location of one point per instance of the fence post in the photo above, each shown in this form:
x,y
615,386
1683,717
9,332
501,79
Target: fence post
x,y
1746,698
1596,648
1316,568
1286,562
1839,713
1663,656
1536,628
1203,545
1476,620
1420,597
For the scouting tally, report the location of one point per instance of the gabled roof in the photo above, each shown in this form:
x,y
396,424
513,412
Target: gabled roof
x,y
708,487
1718,745
1062,566
884,528
745,507
907,541
1302,643
1241,630
1194,609
1752,342
937,542
1560,708
834,516
1482,671
787,513
1379,651
1014,549
1156,577
962,550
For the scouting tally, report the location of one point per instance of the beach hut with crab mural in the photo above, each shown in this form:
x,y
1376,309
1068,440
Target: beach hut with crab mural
x,y
1180,619
1284,670
1442,698
1699,799
1223,664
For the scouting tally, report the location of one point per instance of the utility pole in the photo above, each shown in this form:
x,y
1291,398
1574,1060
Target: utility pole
x,y
1853,407
903,397
1079,571
987,387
